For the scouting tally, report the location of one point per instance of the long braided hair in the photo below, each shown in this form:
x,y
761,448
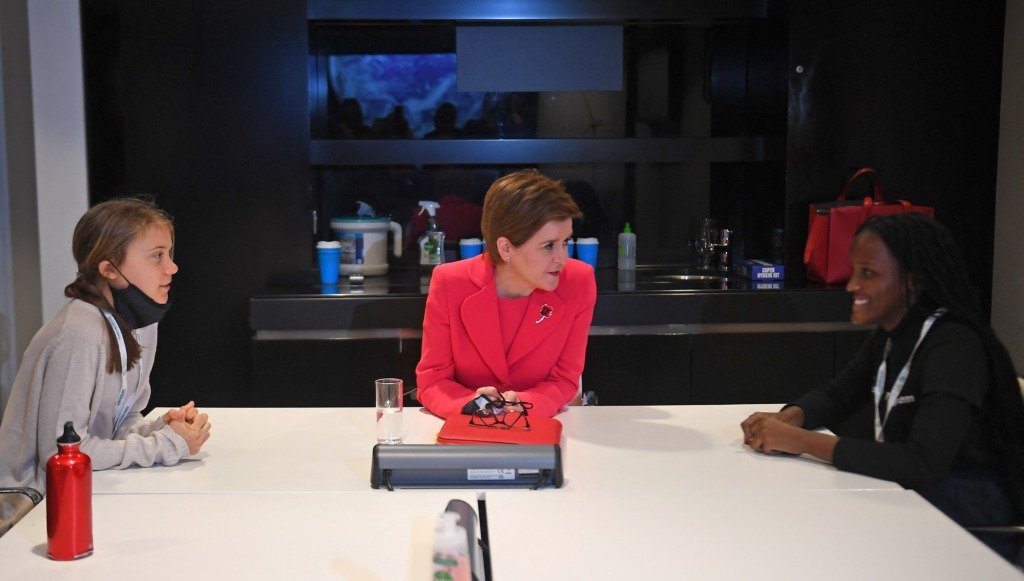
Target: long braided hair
x,y
104,233
926,250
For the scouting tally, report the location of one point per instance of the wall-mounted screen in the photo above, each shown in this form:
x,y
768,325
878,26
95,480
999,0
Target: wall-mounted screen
x,y
540,58
416,85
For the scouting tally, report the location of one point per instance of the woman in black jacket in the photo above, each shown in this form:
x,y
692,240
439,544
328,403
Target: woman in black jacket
x,y
948,412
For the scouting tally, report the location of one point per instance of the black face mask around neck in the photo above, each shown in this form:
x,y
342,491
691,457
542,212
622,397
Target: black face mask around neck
x,y
135,306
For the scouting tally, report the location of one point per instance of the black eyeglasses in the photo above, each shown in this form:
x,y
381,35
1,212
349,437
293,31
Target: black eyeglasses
x,y
501,414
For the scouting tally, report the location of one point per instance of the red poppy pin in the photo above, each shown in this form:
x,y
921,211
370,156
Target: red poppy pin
x,y
545,312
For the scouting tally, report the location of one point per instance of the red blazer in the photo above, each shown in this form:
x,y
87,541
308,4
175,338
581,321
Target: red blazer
x,y
462,348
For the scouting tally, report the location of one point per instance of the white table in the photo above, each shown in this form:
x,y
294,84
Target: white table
x,y
299,536
660,491
662,448
672,448
729,534
552,534
272,450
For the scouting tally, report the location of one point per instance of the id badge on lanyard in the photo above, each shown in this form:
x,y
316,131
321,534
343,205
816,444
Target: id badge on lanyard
x,y
897,386
122,407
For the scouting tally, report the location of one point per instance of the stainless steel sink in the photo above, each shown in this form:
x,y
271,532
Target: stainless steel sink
x,y
679,273
680,279
694,277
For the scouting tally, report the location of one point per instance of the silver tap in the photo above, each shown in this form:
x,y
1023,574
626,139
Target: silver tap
x,y
723,249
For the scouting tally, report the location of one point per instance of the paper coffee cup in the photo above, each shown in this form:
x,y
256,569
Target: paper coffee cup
x,y
586,250
470,247
328,255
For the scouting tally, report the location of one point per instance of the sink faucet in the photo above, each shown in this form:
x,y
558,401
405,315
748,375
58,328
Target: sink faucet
x,y
710,244
723,249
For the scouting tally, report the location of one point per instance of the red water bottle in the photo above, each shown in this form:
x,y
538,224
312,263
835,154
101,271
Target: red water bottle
x,y
69,499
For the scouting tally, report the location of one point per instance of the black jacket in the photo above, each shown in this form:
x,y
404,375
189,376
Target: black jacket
x,y
941,423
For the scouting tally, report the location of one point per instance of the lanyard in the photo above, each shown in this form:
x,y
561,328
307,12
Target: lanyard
x,y
897,386
121,406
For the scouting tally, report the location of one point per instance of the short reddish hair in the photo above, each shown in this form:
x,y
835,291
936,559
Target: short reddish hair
x,y
519,204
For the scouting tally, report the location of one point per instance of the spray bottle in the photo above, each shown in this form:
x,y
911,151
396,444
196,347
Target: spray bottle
x,y
432,241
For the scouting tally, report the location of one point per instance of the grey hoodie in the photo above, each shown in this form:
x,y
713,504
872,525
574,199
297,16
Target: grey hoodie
x,y
63,378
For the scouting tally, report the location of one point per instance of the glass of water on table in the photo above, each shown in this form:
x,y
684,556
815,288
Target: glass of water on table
x,y
389,410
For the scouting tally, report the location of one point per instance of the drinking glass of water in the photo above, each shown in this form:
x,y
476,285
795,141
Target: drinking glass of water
x,y
389,410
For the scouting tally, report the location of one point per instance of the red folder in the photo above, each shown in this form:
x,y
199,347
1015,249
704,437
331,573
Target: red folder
x,y
457,430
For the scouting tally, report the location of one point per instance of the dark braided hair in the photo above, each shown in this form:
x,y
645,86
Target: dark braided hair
x,y
926,251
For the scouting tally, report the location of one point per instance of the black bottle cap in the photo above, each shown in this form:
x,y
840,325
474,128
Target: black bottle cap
x,y
69,437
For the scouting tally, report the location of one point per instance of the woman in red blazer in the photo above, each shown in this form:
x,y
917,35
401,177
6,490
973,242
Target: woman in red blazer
x,y
512,322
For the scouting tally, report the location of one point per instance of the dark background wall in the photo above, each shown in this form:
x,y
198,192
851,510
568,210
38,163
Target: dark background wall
x,y
909,88
203,105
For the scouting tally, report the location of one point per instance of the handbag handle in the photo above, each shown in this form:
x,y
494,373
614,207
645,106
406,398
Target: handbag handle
x,y
866,208
876,188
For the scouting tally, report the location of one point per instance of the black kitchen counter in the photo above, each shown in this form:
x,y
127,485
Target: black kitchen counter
x,y
655,299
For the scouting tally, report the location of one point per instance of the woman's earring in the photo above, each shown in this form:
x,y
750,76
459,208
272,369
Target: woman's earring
x,y
507,258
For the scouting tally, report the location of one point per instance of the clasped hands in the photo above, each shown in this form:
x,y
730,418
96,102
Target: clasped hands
x,y
782,432
509,396
770,433
191,425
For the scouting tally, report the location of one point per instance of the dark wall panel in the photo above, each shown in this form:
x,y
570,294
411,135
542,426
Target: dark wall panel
x,y
321,373
203,105
908,88
638,370
759,367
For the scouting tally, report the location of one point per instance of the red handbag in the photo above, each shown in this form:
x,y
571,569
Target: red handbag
x,y
832,225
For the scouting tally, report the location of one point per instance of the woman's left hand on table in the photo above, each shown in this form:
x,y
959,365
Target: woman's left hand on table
x,y
768,434
186,413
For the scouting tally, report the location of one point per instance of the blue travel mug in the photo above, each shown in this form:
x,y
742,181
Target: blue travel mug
x,y
329,256
586,250
572,248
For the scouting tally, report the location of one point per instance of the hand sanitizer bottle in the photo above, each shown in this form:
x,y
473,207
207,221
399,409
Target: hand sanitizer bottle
x,y
432,241
451,552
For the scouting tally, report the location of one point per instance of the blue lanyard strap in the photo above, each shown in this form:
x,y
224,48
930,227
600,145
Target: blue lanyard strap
x,y
122,407
897,386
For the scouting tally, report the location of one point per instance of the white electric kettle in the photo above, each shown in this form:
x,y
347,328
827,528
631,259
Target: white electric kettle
x,y
364,243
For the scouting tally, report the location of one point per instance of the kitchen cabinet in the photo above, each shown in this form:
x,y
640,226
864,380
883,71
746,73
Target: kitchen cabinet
x,y
648,345
328,373
634,369
638,369
759,367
